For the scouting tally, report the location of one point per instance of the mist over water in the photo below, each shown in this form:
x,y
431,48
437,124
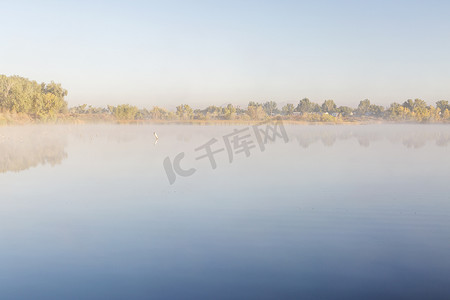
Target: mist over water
x,y
351,212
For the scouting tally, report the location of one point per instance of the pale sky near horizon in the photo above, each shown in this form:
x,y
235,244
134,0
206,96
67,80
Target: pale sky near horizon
x,y
215,52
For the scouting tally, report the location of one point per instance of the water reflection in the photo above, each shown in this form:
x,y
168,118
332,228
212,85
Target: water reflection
x,y
25,147
412,136
22,148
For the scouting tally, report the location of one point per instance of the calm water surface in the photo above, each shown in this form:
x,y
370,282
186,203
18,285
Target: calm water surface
x,y
337,212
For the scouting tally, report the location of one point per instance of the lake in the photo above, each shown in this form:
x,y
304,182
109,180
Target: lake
x,y
225,212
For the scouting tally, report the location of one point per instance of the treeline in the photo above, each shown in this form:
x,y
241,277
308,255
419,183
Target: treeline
x,y
45,101
411,110
42,101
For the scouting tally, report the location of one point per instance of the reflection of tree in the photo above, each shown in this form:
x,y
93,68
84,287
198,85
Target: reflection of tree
x,y
414,141
306,140
312,135
364,138
411,137
442,140
328,139
26,147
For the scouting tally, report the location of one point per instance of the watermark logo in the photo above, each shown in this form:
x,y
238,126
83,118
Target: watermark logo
x,y
238,142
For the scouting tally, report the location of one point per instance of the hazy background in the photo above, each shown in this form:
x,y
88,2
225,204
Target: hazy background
x,y
215,52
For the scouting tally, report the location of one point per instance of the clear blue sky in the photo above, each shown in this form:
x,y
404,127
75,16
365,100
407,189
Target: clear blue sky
x,y
215,52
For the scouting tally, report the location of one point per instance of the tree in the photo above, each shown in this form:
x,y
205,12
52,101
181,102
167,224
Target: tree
x,y
212,111
46,106
419,103
442,105
143,114
409,104
22,95
376,110
270,108
81,109
288,109
305,106
229,112
329,106
417,109
158,113
55,89
111,109
6,84
446,114
345,111
316,108
256,111
184,112
363,107
421,112
126,112
397,112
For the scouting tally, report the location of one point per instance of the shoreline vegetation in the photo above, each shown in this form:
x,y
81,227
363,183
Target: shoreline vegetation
x,y
23,101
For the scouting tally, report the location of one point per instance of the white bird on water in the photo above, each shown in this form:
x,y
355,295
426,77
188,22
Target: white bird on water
x,y
156,137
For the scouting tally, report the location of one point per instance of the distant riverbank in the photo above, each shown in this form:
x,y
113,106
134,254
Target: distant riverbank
x,y
9,119
23,101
